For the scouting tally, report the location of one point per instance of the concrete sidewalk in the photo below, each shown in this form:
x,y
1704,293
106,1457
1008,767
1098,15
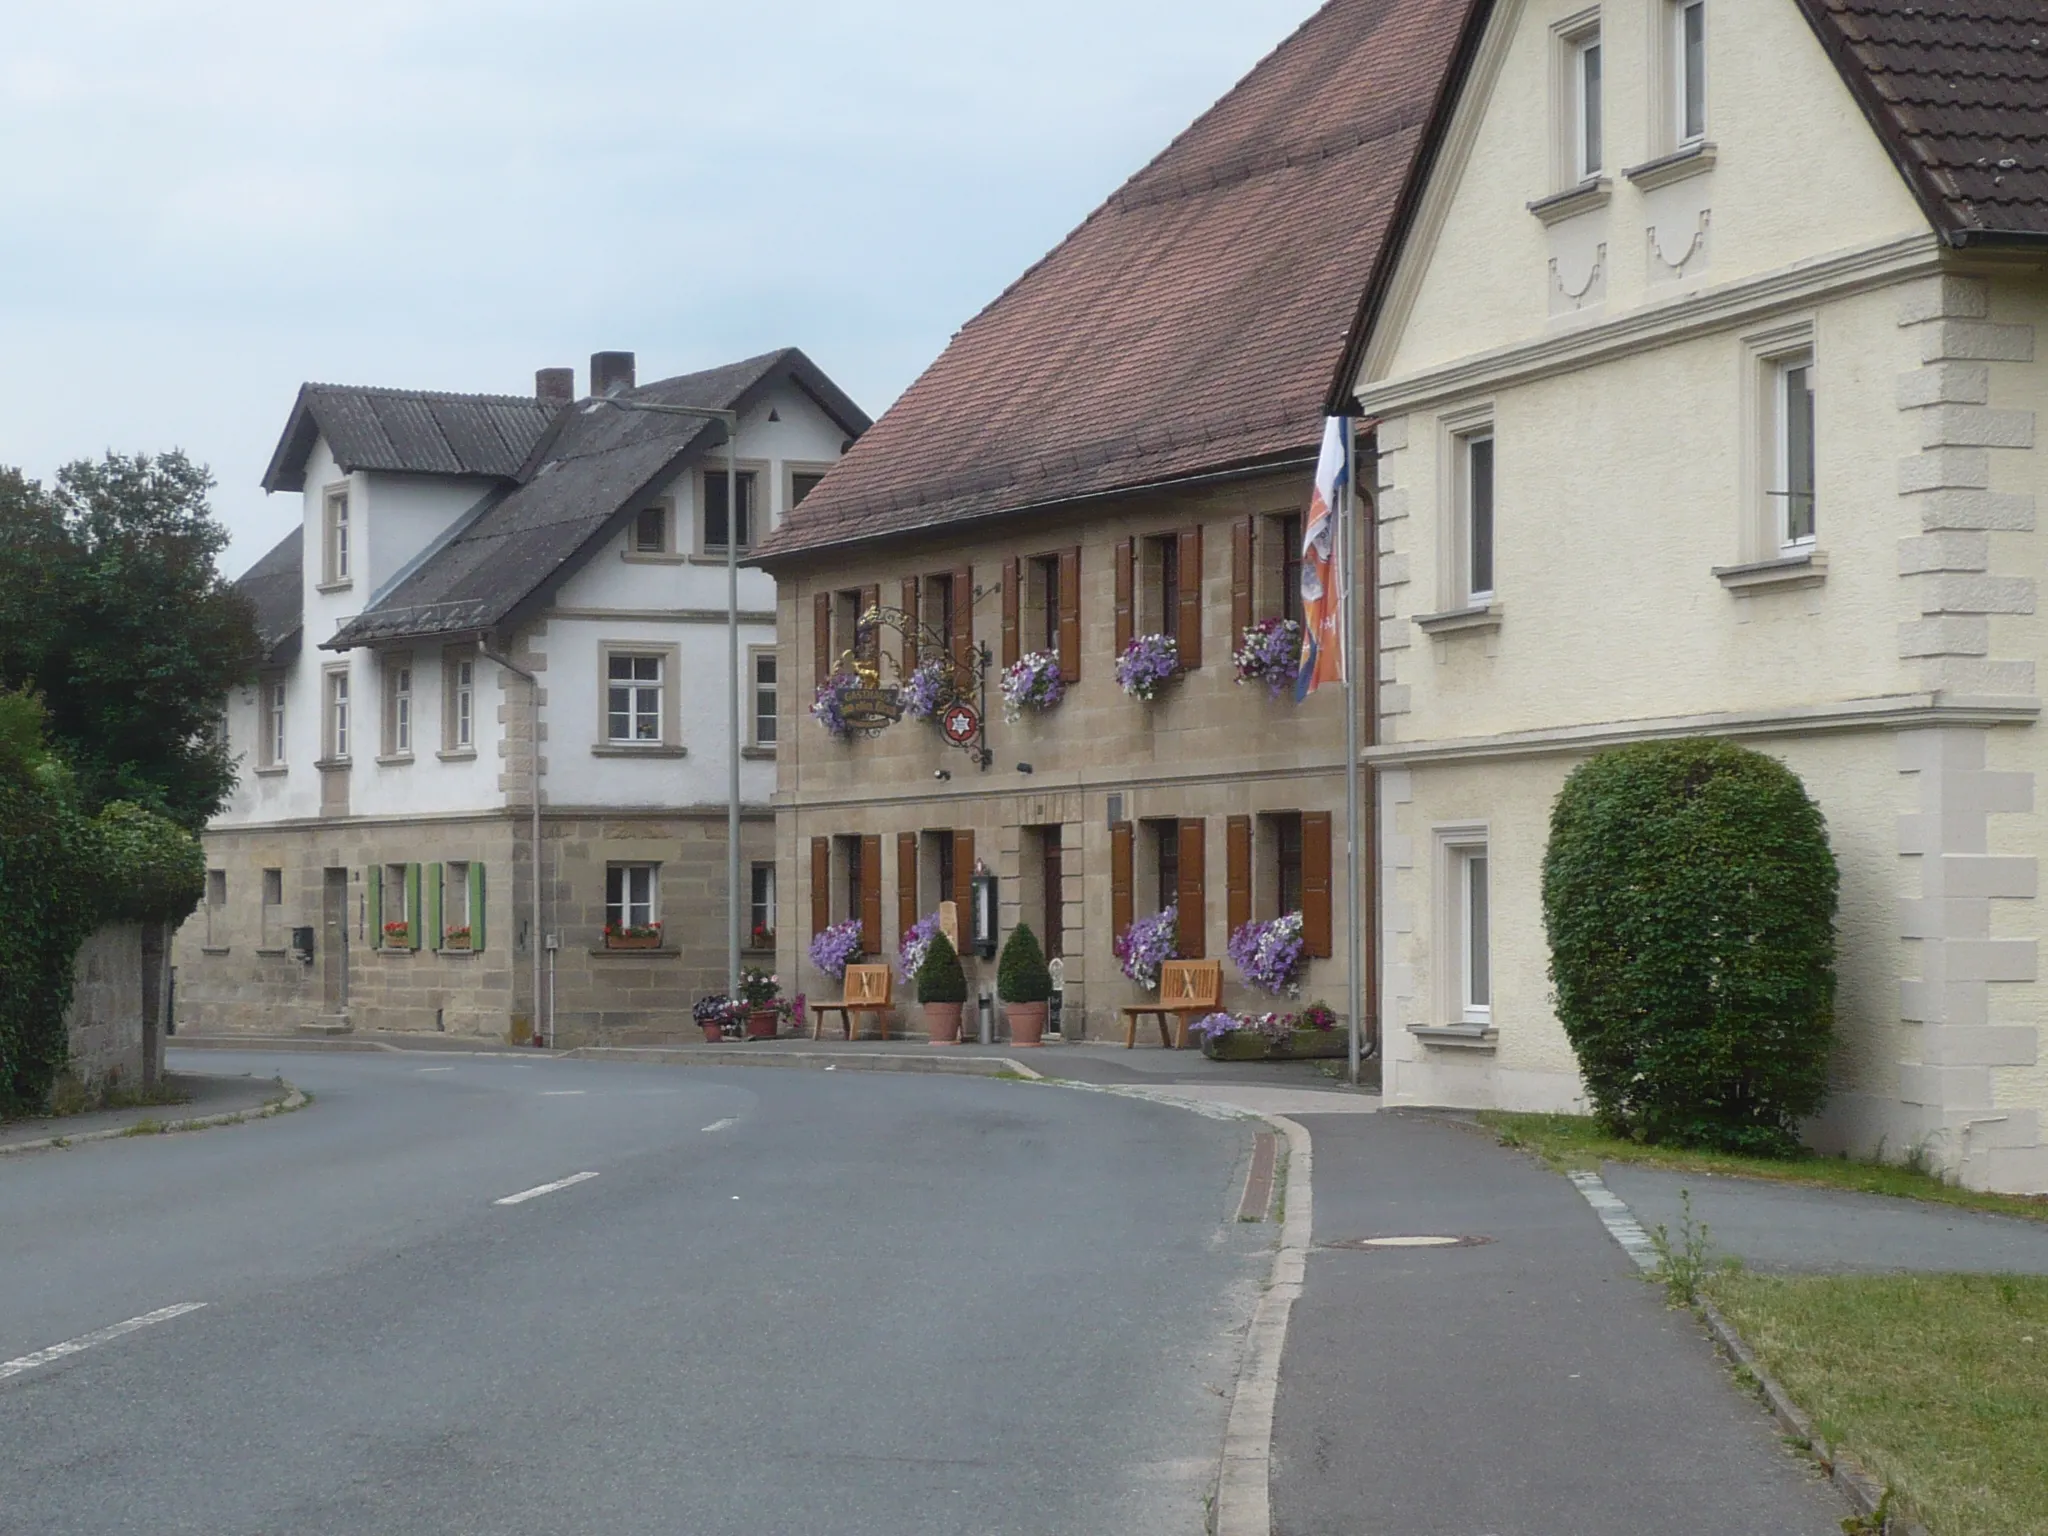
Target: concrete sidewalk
x,y
204,1095
1530,1385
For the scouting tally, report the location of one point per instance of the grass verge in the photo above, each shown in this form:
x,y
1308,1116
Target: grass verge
x,y
1938,1384
1571,1142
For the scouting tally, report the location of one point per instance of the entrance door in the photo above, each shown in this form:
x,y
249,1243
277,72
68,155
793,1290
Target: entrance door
x,y
334,943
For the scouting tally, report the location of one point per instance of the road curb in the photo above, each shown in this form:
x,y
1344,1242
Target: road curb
x,y
819,1061
275,1043
1864,1492
293,1099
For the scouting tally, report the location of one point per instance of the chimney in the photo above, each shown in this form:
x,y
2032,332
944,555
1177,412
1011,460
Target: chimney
x,y
610,372
555,386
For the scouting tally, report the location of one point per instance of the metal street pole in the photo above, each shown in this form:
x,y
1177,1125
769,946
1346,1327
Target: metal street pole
x,y
1347,533
731,422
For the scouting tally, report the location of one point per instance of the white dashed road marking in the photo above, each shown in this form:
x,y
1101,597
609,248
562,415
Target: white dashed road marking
x,y
87,1341
719,1125
436,1069
544,1189
562,1093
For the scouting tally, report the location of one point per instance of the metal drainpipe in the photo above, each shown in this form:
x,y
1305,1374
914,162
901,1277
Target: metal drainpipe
x,y
483,646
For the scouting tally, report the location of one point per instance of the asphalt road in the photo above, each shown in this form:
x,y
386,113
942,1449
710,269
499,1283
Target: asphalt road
x,y
788,1302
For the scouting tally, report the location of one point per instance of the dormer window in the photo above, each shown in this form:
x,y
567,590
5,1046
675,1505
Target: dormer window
x,y
337,557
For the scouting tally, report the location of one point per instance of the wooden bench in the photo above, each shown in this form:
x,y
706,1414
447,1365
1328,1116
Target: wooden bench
x,y
867,990
1188,989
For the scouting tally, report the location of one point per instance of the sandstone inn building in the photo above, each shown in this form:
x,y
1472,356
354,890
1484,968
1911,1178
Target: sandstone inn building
x,y
496,630
1695,346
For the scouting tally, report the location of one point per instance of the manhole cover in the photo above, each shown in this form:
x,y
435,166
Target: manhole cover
x,y
1418,1241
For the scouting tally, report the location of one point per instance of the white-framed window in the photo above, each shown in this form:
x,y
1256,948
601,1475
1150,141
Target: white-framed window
x,y
271,747
398,707
632,895
1687,21
1465,925
458,712
1473,516
651,530
338,555
454,898
761,907
717,504
1585,104
338,715
763,680
1792,451
633,687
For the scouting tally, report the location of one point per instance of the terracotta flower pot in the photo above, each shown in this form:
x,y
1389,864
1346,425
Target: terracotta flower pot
x,y
761,1024
942,1022
1027,1023
713,1034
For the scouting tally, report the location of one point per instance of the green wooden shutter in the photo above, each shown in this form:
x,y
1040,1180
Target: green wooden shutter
x,y
373,895
434,930
476,904
412,906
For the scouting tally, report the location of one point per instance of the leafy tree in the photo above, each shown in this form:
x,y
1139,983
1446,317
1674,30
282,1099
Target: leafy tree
x,y
1689,897
113,607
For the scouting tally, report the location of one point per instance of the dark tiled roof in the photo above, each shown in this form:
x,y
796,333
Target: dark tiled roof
x,y
1193,322
407,431
1958,92
273,586
583,479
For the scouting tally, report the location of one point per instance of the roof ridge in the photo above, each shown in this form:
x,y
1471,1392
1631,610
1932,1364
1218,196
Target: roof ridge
x,y
400,392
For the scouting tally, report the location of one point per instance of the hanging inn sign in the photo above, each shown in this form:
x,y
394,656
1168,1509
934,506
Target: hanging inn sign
x,y
949,687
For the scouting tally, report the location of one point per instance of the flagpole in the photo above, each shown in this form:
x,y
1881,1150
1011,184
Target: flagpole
x,y
1347,534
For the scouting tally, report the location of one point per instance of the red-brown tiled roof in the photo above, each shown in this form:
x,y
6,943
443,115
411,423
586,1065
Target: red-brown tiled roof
x,y
1193,322
1958,92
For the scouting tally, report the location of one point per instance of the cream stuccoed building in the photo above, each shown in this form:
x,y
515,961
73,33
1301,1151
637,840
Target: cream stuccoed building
x,y
1708,388
497,631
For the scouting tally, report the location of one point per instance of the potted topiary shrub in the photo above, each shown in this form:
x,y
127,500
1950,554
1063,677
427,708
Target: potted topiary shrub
x,y
942,990
1024,984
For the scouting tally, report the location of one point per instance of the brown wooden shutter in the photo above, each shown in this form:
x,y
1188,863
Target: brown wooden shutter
x,y
1122,907
1237,872
1070,615
1315,883
871,894
1126,592
1193,896
821,635
1187,629
910,657
906,883
963,617
963,879
1013,610
821,885
1243,551
870,643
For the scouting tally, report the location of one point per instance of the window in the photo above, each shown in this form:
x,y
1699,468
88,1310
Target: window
x,y
940,845
398,707
1585,118
633,699
272,932
1042,590
458,728
1287,531
1688,71
761,907
454,898
937,612
337,558
1287,888
850,857
1164,834
270,753
1473,531
1160,610
764,698
1475,983
631,895
1052,885
801,483
1792,451
650,531
394,906
216,909
716,503
337,716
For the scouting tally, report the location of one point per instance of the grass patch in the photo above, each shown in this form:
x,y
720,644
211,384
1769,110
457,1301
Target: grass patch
x,y
71,1096
1572,1142
146,1128
1936,1383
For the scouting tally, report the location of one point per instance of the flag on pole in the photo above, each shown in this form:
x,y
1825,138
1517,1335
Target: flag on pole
x,y
1322,582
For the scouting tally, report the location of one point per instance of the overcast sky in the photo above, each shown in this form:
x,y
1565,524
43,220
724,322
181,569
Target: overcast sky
x,y
211,201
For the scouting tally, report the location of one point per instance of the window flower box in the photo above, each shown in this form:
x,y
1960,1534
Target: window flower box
x,y
1033,681
836,948
828,705
1147,665
632,936
927,690
1271,956
456,938
1311,1035
1269,652
1148,944
397,935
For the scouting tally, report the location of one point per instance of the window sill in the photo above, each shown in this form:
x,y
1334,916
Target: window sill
x,y
267,952
667,952
652,749
1693,160
393,759
273,770
758,754
1468,1037
334,764
396,950
717,556
1573,201
653,557
334,586
1784,574
215,949
1460,620
465,950
458,755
